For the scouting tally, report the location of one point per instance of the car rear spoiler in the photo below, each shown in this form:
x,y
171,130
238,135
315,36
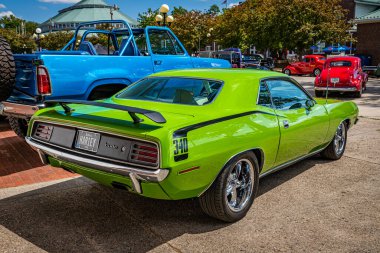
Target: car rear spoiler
x,y
152,115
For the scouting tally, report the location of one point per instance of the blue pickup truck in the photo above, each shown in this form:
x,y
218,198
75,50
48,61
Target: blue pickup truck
x,y
95,64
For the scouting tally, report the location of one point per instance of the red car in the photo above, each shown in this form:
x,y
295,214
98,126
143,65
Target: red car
x,y
311,64
343,74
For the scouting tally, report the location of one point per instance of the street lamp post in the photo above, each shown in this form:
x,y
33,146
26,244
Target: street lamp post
x,y
167,20
113,8
37,37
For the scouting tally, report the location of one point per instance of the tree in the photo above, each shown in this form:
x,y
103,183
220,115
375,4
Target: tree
x,y
56,40
192,28
19,43
177,11
147,18
214,10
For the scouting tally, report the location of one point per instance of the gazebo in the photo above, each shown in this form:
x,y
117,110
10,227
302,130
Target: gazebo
x,y
84,11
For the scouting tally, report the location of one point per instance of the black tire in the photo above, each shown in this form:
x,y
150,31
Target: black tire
x,y
287,72
318,93
316,72
19,126
331,151
214,202
7,70
358,94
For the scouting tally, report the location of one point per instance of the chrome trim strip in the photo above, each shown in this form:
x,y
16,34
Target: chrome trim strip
x,y
104,132
135,174
284,165
12,109
336,89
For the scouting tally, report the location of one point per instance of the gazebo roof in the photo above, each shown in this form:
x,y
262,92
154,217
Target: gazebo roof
x,y
89,10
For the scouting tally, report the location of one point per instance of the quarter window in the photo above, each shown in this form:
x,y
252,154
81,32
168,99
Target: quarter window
x,y
162,42
264,96
286,95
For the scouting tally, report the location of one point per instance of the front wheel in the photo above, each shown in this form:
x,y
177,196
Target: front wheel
x,y
335,149
231,195
287,72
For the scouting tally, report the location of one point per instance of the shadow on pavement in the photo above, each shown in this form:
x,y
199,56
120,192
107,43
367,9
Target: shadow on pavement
x,y
82,216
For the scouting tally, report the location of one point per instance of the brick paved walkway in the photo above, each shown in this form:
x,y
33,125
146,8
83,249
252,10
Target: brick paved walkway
x,y
20,165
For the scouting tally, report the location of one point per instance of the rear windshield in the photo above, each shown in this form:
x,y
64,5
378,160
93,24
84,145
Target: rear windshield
x,y
340,64
176,90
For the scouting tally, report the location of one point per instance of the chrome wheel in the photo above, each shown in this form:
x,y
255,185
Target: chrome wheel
x,y
340,139
239,185
287,72
317,72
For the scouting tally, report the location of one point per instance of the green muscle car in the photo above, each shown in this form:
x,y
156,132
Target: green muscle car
x,y
180,134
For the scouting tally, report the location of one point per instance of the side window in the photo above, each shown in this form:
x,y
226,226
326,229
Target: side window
x,y
286,95
162,42
264,96
312,60
306,59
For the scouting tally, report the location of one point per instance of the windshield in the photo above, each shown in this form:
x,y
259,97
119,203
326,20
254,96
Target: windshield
x,y
176,90
340,64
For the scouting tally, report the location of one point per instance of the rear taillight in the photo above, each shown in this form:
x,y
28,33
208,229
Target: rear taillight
x,y
43,132
144,153
43,81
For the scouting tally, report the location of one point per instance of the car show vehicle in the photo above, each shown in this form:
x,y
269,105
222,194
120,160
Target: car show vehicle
x,y
204,133
102,58
311,64
341,74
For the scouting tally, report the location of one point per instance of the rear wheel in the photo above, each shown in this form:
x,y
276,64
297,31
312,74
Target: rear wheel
x,y
287,72
7,70
335,149
316,72
358,94
231,195
318,93
19,126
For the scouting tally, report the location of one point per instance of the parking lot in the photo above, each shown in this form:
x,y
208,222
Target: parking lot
x,y
314,205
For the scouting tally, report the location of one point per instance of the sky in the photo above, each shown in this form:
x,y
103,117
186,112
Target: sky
x,y
41,10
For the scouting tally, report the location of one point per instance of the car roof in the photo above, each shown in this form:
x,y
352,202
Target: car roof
x,y
221,74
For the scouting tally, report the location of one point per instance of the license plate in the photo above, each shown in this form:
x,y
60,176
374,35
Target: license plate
x,y
87,141
335,80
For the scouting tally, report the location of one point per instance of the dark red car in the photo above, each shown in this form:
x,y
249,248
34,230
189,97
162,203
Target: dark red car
x,y
311,64
343,74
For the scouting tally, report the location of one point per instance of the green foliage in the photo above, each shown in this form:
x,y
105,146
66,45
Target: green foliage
x,y
19,43
214,10
147,18
278,24
177,11
56,40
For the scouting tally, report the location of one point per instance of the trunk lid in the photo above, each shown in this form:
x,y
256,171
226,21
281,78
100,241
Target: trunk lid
x,y
341,76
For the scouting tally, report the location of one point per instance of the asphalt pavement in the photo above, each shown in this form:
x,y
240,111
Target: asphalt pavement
x,y
315,205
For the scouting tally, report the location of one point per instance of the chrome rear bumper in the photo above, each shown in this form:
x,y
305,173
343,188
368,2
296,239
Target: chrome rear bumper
x,y
136,175
19,110
343,89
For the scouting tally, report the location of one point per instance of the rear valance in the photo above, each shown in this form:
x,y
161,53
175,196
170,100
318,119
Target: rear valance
x,y
152,115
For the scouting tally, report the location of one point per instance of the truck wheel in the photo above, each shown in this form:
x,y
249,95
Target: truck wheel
x,y
231,195
7,70
19,126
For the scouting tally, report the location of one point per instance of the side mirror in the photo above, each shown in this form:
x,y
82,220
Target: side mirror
x,y
309,104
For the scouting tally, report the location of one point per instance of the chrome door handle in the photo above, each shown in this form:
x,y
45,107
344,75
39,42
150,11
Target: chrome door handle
x,y
156,62
286,124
